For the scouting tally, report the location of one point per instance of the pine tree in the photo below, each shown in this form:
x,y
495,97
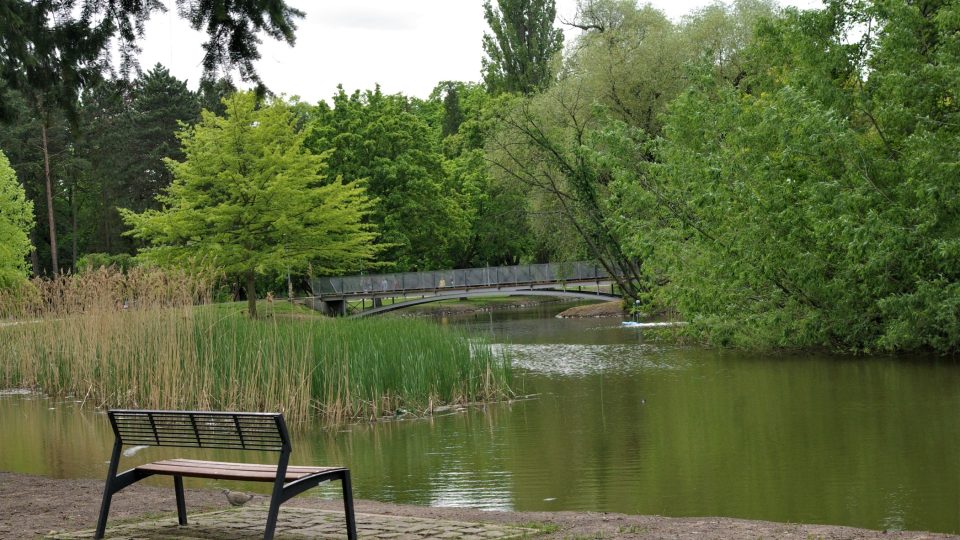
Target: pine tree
x,y
160,103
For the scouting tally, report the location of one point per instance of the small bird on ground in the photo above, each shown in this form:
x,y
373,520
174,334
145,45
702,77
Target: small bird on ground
x,y
237,498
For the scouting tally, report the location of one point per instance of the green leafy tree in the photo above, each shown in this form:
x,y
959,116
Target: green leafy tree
x,y
625,69
452,114
16,220
384,141
496,227
813,203
250,199
522,45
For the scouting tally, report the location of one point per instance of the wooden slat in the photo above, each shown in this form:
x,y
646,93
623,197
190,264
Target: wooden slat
x,y
254,472
240,466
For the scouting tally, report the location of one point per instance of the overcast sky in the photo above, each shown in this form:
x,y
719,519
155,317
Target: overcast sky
x,y
405,46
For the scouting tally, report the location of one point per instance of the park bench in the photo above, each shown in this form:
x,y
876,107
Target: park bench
x,y
216,430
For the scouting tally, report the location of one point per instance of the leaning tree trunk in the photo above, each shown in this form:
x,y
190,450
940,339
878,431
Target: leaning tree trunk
x,y
54,265
252,294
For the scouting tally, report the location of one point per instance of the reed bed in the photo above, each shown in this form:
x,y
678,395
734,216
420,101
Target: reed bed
x,y
169,353
105,290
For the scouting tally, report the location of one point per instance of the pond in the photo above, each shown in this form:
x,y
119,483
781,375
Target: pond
x,y
622,425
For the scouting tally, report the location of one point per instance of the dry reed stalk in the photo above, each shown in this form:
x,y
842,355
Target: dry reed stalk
x,y
140,340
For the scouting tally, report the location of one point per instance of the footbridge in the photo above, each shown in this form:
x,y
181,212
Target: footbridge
x,y
371,294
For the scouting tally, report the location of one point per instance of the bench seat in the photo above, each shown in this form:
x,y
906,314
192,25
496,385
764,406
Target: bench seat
x,y
255,431
223,470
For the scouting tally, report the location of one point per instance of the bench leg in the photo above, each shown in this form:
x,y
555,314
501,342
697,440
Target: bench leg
x,y
276,498
181,502
272,514
348,505
104,511
109,489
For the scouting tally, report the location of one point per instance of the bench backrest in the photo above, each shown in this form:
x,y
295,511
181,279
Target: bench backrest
x,y
201,429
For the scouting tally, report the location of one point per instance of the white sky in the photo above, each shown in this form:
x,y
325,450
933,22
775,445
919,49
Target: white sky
x,y
405,46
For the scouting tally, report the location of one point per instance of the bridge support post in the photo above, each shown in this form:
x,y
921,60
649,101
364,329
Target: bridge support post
x,y
333,308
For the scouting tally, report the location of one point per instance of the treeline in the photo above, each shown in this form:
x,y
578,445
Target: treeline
x,y
779,177
421,160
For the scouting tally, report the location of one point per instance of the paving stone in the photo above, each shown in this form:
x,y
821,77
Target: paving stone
x,y
299,524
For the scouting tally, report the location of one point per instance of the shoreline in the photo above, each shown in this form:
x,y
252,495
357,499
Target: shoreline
x,y
481,305
34,506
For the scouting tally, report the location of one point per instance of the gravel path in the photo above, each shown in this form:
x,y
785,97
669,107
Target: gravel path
x,y
34,506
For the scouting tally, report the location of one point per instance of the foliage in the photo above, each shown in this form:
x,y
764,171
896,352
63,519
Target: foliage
x,y
95,261
495,213
22,141
382,140
54,49
128,129
142,326
250,199
520,50
159,104
627,66
16,219
815,205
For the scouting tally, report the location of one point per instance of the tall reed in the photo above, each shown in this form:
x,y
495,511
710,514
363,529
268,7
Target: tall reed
x,y
105,290
166,353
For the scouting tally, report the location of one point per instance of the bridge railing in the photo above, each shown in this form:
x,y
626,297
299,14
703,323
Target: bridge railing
x,y
526,274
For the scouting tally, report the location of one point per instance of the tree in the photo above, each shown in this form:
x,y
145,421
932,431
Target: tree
x,y
250,199
524,40
622,73
126,131
494,213
381,139
812,202
452,115
160,104
51,50
56,48
16,220
36,159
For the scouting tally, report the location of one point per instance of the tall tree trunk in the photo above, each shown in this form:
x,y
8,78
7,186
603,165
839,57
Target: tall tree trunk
x,y
54,265
252,294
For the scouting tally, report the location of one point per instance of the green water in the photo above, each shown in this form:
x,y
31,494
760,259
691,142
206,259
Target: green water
x,y
624,426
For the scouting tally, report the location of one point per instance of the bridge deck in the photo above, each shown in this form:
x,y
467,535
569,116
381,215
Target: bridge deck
x,y
439,297
531,275
536,279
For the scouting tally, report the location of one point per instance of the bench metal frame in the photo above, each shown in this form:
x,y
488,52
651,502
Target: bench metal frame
x,y
206,429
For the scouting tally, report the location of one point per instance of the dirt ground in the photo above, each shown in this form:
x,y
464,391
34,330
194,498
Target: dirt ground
x,y
33,506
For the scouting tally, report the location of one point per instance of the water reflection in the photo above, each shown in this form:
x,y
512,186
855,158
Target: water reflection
x,y
577,360
621,425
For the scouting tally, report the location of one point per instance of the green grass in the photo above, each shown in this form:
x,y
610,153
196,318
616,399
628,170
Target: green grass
x,y
541,527
215,358
265,309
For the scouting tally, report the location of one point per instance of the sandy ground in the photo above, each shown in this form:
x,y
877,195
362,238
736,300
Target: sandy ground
x,y
32,506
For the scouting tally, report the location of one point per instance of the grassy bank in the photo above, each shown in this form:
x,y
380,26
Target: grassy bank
x,y
155,355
